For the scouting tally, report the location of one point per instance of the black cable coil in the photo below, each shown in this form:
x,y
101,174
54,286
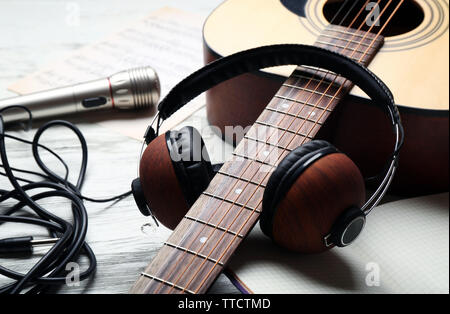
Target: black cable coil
x,y
50,270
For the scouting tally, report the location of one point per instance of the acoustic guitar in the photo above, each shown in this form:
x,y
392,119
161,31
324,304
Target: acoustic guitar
x,y
309,98
413,61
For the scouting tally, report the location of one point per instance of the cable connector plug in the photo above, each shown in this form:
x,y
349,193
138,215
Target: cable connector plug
x,y
22,244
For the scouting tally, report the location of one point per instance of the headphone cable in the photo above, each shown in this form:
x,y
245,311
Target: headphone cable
x,y
69,237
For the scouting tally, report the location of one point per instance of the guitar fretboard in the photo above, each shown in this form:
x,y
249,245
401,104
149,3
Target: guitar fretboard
x,y
204,241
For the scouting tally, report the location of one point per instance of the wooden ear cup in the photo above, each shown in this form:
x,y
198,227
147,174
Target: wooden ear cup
x,y
160,186
310,192
174,171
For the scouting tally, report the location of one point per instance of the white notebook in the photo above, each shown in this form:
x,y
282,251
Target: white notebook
x,y
404,249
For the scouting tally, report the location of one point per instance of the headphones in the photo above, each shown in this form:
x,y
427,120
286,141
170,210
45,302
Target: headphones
x,y
175,168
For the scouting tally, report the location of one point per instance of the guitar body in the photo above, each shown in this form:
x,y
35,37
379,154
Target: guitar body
x,y
289,107
413,62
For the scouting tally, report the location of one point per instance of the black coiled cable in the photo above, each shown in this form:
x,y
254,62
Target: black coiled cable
x,y
50,270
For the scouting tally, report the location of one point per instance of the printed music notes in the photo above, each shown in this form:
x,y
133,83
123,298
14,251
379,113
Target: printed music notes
x,y
169,40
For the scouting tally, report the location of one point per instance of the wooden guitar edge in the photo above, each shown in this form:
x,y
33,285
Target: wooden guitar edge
x,y
358,128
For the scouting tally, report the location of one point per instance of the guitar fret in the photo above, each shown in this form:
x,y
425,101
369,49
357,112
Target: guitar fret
x,y
253,159
320,85
268,144
183,249
247,170
214,226
170,284
328,76
236,192
226,218
282,138
240,178
318,80
293,115
231,202
281,129
308,90
341,47
318,70
345,39
303,102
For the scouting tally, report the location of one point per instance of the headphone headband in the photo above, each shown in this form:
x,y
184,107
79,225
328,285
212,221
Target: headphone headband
x,y
277,55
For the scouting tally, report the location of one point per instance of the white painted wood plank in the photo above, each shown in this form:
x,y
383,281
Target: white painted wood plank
x,y
34,33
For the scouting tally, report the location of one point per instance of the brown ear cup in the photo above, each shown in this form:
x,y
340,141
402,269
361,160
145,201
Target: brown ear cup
x,y
306,196
160,185
174,171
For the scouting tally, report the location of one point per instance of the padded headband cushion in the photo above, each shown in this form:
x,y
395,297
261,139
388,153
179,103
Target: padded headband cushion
x,y
190,160
286,173
276,55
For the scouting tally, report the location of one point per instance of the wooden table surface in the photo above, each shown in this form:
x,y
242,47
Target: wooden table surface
x,y
36,32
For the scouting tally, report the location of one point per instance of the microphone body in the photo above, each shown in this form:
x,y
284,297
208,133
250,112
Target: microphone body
x,y
132,89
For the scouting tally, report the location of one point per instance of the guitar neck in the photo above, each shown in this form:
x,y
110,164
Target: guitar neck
x,y
202,244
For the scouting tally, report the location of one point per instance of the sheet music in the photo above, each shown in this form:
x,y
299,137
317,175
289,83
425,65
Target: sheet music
x,y
404,249
169,40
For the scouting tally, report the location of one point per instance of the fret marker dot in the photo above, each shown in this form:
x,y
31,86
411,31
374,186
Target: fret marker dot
x,y
266,153
285,105
312,113
238,191
203,239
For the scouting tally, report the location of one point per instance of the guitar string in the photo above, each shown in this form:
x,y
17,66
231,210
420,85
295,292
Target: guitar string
x,y
349,11
232,187
249,217
247,167
232,240
245,223
361,58
248,200
257,186
252,177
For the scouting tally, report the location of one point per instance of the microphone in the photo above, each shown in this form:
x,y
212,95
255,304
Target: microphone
x,y
137,88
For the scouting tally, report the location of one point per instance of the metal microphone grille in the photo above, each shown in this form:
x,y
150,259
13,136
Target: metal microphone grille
x,y
137,88
145,87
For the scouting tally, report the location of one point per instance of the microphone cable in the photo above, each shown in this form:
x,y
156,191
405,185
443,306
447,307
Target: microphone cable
x,y
69,237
